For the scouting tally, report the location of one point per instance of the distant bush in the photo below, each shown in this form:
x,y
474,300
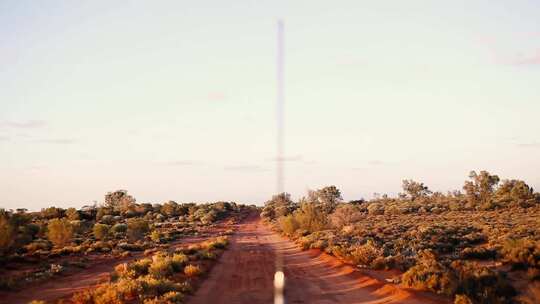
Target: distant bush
x,y
60,231
137,228
119,228
101,231
522,253
72,214
344,215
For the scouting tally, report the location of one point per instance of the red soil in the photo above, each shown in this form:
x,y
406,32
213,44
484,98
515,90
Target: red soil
x,y
245,274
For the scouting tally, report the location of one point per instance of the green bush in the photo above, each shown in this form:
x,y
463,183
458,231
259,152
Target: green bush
x,y
137,228
101,231
119,228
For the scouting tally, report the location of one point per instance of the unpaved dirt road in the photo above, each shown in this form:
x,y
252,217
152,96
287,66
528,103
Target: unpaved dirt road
x,y
245,274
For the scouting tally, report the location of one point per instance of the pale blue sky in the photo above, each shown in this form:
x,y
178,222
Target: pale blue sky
x,y
176,99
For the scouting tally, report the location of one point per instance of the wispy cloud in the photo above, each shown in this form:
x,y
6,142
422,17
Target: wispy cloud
x,y
30,124
246,168
57,141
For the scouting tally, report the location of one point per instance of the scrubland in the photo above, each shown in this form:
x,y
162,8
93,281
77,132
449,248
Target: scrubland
x,y
166,247
478,245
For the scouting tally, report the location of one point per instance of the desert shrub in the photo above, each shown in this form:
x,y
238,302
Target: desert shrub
x,y
101,295
161,266
12,231
72,214
59,231
192,270
310,217
478,253
140,267
101,231
344,215
137,228
178,261
365,254
206,255
119,228
375,208
155,236
522,253
288,224
129,247
173,297
209,217
123,271
38,244
107,219
481,284
217,243
428,274
153,287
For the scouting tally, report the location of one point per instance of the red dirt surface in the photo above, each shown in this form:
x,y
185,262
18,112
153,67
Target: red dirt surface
x,y
245,274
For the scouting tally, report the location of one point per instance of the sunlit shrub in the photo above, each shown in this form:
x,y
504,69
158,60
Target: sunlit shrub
x,y
59,231
431,275
288,224
365,254
192,270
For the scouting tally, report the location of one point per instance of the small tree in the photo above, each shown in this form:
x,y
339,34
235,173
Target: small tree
x,y
479,190
119,200
414,189
327,198
59,231
280,205
101,231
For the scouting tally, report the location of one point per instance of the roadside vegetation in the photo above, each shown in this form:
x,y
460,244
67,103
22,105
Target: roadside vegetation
x,y
165,278
36,246
477,245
